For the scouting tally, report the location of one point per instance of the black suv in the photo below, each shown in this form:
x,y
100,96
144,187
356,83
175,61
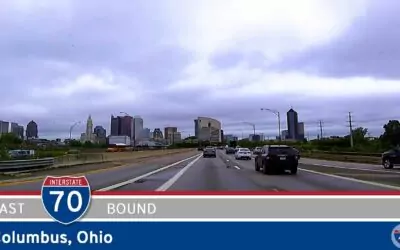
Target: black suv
x,y
277,158
391,158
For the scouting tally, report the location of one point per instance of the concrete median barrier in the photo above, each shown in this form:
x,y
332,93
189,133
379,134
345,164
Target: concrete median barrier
x,y
105,159
90,158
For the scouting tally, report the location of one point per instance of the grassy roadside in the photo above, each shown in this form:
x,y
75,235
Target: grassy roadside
x,y
344,158
78,166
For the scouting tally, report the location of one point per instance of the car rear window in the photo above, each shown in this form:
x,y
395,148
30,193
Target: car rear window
x,y
281,150
244,150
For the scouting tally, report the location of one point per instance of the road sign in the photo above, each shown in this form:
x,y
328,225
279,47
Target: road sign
x,y
396,236
66,198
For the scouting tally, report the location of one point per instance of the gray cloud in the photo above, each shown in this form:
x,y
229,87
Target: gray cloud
x,y
369,47
48,47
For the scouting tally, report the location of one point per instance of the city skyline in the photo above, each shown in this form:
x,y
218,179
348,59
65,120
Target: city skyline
x,y
264,56
291,128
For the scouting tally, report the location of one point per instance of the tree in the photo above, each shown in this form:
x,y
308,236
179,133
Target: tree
x,y
391,136
10,139
359,135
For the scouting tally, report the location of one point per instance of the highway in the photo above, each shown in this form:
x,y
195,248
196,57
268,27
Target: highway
x,y
191,172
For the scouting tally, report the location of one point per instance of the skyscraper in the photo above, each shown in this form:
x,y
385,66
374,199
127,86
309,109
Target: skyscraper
x,y
137,128
31,130
208,129
89,129
122,125
169,133
292,124
157,134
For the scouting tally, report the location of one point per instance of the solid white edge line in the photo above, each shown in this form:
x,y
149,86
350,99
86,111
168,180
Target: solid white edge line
x,y
352,179
215,197
178,175
353,168
124,183
214,220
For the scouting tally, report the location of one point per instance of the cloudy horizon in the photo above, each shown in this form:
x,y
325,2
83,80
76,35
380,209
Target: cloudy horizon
x,y
174,60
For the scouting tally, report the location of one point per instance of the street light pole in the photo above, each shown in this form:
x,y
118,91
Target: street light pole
x,y
276,112
71,128
254,128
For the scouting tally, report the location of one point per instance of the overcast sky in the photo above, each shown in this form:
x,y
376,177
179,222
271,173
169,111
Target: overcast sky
x,y
173,60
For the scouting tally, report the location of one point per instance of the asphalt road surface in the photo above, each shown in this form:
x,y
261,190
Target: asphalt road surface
x,y
192,172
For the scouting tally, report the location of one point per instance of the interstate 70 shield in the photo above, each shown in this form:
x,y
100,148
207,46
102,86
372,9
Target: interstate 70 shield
x,y
66,198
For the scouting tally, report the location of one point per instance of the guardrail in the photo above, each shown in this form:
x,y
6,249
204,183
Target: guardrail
x,y
18,165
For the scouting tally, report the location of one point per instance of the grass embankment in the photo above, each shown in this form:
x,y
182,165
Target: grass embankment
x,y
344,157
85,158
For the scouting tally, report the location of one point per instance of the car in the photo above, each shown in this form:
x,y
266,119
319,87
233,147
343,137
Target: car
x,y
209,152
277,158
257,150
200,149
391,158
229,151
243,153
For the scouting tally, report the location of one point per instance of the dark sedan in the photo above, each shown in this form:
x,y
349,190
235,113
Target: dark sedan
x,y
209,152
391,158
230,151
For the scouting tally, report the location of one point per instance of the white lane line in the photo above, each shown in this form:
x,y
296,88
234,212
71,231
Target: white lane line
x,y
236,167
352,179
176,177
130,181
352,168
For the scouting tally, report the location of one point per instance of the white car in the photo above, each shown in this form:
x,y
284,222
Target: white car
x,y
243,153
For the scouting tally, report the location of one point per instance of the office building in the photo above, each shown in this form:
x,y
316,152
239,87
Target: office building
x,y
32,130
101,134
285,134
137,128
292,121
146,135
17,130
208,129
122,125
254,137
89,129
157,134
169,133
4,127
222,136
176,138
300,129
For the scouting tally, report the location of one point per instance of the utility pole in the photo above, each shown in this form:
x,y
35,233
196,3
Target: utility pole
x,y
351,130
320,129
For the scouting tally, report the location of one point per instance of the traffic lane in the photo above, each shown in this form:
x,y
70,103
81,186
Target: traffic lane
x,y
303,181
153,181
380,176
107,177
215,174
309,161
